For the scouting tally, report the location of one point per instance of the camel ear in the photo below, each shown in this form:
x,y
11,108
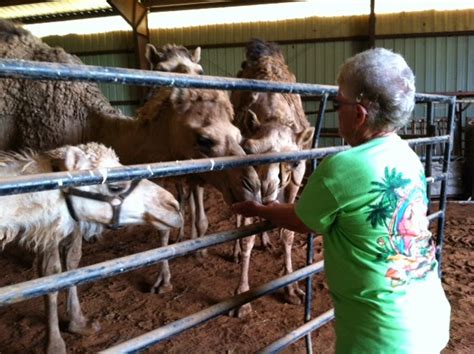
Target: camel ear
x,y
181,99
76,159
197,55
153,55
251,121
305,138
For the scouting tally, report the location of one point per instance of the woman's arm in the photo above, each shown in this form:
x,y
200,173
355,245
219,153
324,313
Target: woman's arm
x,y
280,214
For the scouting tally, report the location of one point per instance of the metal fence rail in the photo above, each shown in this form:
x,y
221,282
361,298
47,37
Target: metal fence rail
x,y
148,339
57,180
53,71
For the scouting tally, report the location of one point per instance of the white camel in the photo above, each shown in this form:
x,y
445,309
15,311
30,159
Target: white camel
x,y
53,223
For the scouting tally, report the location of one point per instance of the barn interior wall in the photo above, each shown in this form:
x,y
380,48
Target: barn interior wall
x,y
438,46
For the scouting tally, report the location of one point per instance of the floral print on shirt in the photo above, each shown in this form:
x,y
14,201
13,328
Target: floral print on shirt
x,y
408,247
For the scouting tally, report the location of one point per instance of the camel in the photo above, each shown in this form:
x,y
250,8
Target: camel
x,y
53,223
178,59
176,124
174,59
271,122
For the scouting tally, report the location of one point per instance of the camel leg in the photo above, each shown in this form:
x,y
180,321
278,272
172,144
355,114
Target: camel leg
x,y
247,245
237,249
50,263
78,323
199,221
182,201
265,239
163,281
293,294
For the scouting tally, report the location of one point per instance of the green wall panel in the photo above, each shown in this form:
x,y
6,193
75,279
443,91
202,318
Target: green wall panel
x,y
441,64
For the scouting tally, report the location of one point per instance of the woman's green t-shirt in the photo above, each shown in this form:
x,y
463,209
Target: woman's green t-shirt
x,y
369,202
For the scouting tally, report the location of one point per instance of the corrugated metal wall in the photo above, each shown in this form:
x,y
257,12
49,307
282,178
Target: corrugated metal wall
x,y
442,62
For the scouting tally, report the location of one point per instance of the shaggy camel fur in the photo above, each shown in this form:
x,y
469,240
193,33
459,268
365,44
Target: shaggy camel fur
x,y
176,124
44,223
271,122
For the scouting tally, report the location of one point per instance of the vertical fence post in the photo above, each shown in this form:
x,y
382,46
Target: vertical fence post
x,y
430,131
310,236
444,183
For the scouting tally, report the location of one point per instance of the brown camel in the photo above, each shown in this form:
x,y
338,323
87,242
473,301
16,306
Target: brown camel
x,y
46,224
271,122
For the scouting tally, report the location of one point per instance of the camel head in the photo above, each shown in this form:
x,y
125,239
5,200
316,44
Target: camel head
x,y
270,137
200,126
174,58
142,203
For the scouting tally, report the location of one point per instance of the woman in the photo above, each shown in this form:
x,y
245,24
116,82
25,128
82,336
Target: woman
x,y
369,202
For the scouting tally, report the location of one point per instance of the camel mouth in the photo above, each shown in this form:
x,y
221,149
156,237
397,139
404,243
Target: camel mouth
x,y
162,225
166,223
268,200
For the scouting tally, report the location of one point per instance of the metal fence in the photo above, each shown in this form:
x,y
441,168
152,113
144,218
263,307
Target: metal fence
x,y
32,183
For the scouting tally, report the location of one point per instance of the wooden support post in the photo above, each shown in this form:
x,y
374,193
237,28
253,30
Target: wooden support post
x,y
372,24
137,17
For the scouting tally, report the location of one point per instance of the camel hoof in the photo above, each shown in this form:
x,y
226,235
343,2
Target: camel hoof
x,y
84,327
241,312
236,259
294,295
161,289
56,346
201,253
266,243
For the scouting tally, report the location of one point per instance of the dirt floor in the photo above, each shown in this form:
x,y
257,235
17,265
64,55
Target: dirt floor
x,y
125,308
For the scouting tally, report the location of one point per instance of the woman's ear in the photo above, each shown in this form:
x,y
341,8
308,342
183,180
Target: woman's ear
x,y
361,116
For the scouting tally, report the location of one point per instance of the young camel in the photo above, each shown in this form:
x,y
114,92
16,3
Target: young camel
x,y
53,223
176,124
178,59
271,122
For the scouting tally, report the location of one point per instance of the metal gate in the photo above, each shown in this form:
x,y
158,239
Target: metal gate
x,y
33,183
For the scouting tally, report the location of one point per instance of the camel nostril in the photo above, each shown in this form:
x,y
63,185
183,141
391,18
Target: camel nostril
x,y
173,204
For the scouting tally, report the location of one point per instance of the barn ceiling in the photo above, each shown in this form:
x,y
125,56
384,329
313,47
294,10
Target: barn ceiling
x,y
30,11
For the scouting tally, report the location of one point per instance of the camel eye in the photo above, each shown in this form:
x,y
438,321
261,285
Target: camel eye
x,y
117,188
205,143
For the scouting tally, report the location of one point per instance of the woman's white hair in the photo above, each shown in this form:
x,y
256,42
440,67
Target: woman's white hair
x,y
383,83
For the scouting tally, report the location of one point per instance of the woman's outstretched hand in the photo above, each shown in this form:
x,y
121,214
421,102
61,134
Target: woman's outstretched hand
x,y
247,208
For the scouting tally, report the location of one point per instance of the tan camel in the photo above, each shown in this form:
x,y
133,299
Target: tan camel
x,y
177,124
271,122
46,224
178,59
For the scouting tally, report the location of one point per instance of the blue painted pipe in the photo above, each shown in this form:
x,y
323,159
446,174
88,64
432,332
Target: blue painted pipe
x,y
56,180
298,333
26,69
41,286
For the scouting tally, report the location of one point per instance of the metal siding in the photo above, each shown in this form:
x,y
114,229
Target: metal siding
x,y
440,63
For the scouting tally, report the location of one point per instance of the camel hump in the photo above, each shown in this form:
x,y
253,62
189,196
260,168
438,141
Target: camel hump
x,y
258,48
9,29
